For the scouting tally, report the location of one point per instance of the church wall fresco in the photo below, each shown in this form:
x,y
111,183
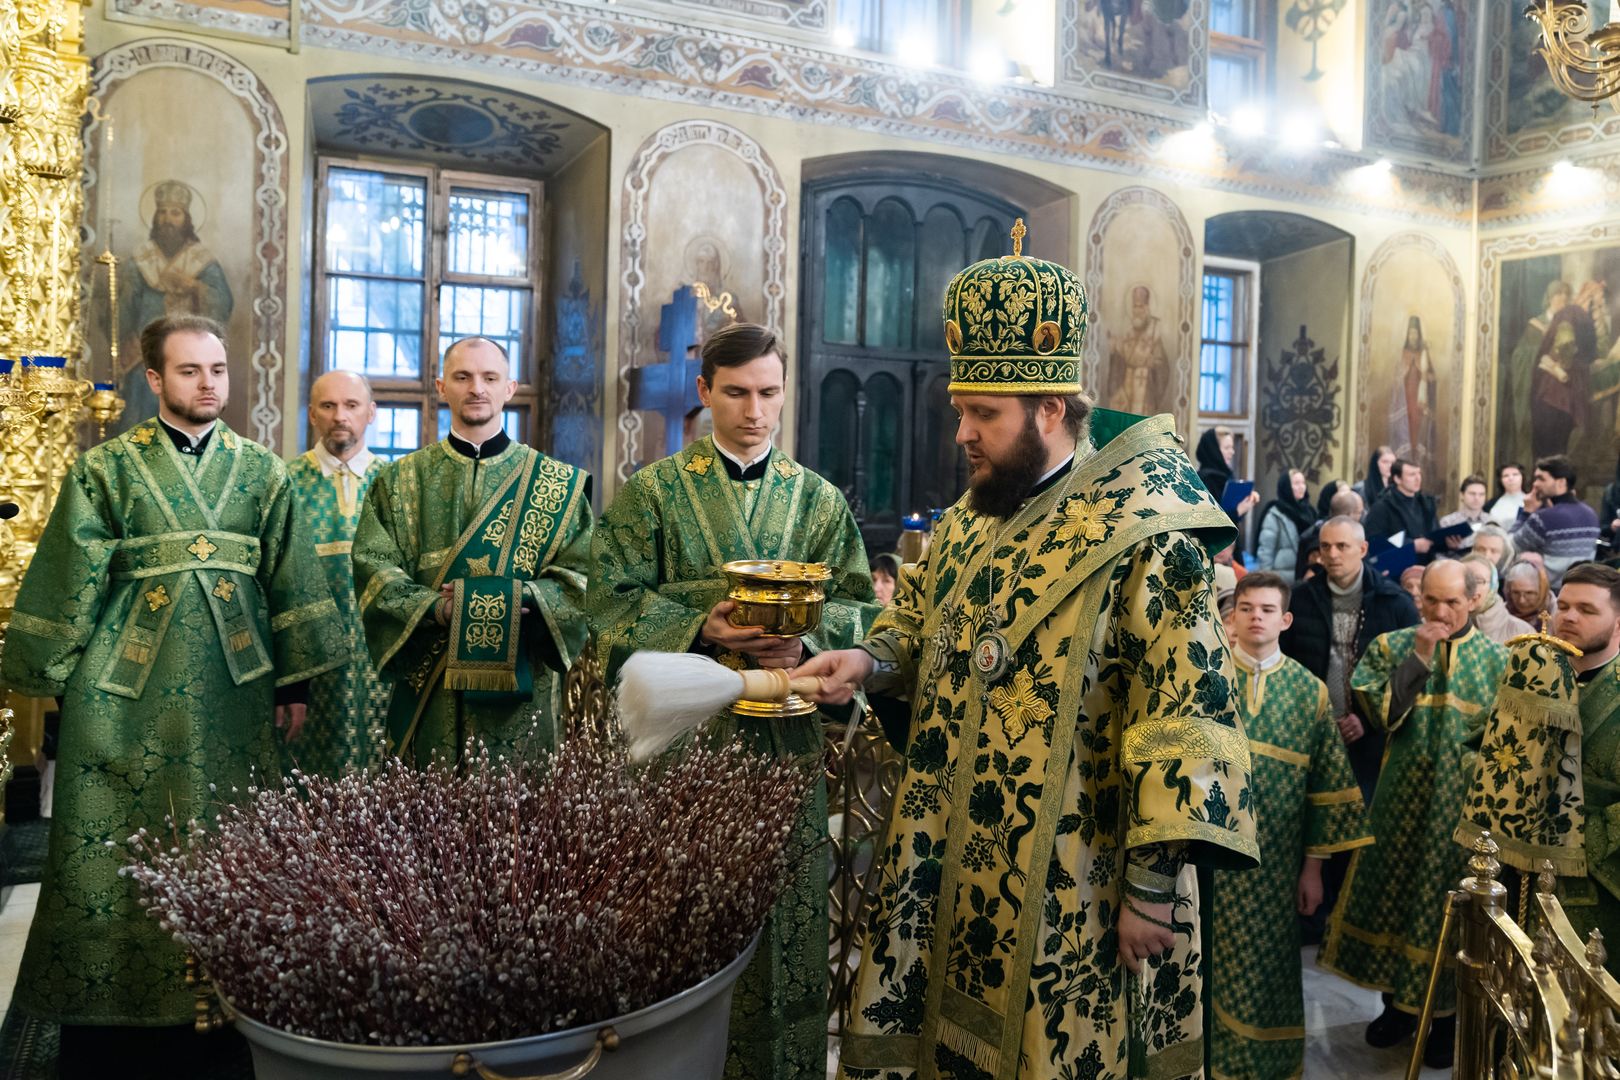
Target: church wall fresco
x,y
1141,276
195,210
1410,373
1550,367
1155,50
577,231
1524,112
1420,77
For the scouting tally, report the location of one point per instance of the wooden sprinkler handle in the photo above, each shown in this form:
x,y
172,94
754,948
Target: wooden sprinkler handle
x,y
773,684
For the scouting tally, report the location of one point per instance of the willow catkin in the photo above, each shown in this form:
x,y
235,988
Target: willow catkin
x,y
493,900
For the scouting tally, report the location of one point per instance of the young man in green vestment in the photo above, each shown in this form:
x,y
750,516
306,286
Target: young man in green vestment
x,y
1430,687
348,706
176,608
1309,807
1074,750
1589,618
470,561
656,584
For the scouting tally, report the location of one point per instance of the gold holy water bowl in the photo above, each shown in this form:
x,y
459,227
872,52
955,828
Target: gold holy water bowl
x,y
784,597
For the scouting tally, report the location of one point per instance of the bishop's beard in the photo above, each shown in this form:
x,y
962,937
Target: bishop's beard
x,y
1004,485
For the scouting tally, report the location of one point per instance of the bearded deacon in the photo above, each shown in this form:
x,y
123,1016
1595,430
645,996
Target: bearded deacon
x,y
470,562
1074,748
348,706
176,608
657,584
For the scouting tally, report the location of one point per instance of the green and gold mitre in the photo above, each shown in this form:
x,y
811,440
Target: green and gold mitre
x,y
1015,325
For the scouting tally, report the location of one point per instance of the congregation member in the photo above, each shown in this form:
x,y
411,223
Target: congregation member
x,y
1563,529
1346,502
1335,616
1510,491
885,574
1426,686
1308,807
1404,511
1471,509
1491,541
470,562
989,955
656,584
1377,481
1282,522
1609,517
1411,580
348,706
1490,611
1216,452
1589,619
174,576
1526,592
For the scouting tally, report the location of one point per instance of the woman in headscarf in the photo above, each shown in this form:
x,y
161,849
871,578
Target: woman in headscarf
x,y
1493,542
1324,498
1378,467
1217,448
1491,615
1525,589
1282,522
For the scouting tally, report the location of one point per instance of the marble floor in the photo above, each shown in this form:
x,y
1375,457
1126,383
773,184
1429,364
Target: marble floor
x,y
1335,1011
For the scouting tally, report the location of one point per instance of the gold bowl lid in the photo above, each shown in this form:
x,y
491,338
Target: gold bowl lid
x,y
778,570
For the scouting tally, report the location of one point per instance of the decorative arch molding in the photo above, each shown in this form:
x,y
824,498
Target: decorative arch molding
x,y
119,65
1453,397
1179,334
637,311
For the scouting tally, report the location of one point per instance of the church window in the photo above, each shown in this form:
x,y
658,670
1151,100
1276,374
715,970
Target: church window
x,y
1237,55
410,259
1227,341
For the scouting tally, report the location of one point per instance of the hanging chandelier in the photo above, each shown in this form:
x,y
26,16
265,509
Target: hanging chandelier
x,y
1584,63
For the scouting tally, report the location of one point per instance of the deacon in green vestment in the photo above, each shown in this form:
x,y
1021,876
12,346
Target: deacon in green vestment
x,y
656,584
1074,748
1589,618
348,706
470,562
1309,807
174,599
1430,687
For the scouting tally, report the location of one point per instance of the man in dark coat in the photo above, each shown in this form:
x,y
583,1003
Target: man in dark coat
x,y
1404,509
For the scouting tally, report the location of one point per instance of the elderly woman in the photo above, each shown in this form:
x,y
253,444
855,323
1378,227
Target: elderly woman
x,y
1492,541
1524,587
1490,613
1412,582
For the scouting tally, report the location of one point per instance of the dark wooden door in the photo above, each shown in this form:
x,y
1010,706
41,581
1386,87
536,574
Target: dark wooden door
x,y
875,417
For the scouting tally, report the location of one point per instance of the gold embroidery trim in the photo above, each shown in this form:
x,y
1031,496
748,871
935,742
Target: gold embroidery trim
x,y
700,464
1334,798
1277,753
378,582
1258,1034
786,470
202,548
1165,740
479,567
1447,701
225,589
1343,845
303,614
45,628
157,598
1391,941
485,615
141,436
336,547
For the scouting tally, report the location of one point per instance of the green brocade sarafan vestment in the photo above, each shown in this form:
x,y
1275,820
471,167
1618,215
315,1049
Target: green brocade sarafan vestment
x,y
1030,795
345,728
1593,902
1308,805
509,531
656,575
169,597
1386,927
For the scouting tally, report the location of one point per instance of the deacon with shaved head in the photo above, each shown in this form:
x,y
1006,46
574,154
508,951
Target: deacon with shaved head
x,y
347,705
1430,687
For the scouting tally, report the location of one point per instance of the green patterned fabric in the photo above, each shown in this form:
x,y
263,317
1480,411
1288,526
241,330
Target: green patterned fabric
x,y
656,575
1110,746
1593,902
1526,774
1386,926
169,596
1308,806
421,512
1015,325
348,706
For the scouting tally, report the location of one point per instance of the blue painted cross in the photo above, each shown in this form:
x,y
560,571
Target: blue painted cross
x,y
670,388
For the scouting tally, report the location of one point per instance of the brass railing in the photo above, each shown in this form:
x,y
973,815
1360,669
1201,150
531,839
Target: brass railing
x,y
1532,1001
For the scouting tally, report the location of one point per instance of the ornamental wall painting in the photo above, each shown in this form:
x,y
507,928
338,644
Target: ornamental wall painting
x,y
1409,388
1420,75
1558,359
193,207
1150,48
1139,276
